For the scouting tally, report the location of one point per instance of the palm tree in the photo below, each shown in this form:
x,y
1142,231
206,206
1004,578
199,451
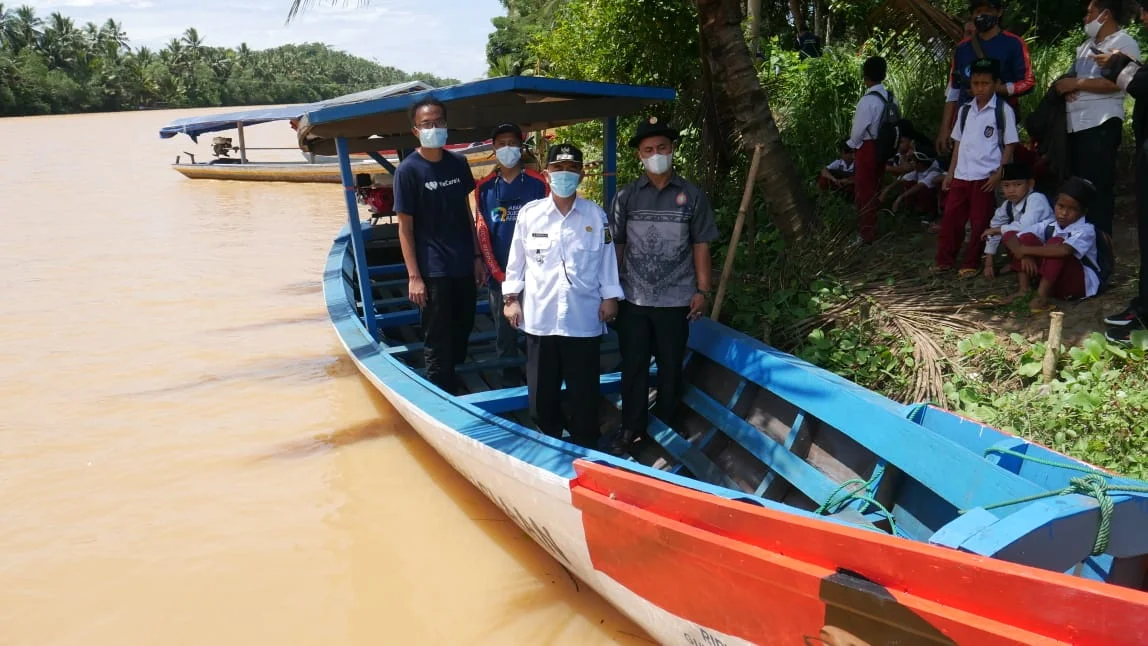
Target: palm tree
x,y
746,109
193,40
113,38
299,6
28,27
7,27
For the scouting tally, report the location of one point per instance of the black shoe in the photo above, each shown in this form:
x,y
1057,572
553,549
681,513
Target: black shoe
x,y
1130,315
619,443
1124,334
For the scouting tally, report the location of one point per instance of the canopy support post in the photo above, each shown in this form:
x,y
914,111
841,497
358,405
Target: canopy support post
x,y
382,161
242,144
357,241
610,159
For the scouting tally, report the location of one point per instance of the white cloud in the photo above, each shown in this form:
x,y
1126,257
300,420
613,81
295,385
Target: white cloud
x,y
446,38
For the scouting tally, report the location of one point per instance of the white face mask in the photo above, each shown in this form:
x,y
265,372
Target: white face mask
x,y
508,156
564,183
658,164
1093,28
432,137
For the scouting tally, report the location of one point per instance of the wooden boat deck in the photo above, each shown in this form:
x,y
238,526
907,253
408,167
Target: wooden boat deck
x,y
747,424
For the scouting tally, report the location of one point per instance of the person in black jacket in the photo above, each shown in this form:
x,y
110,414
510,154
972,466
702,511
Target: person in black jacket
x,y
1132,77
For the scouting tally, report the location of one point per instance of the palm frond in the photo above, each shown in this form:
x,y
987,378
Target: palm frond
x,y
930,22
300,6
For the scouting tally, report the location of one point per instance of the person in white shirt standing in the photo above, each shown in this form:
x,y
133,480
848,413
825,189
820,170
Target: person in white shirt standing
x,y
561,288
869,168
985,135
1096,108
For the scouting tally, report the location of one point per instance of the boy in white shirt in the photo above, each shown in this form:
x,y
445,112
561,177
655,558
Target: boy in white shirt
x,y
1023,207
838,175
985,135
920,185
1061,254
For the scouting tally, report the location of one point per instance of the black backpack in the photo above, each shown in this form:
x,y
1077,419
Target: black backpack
x,y
1105,257
999,113
888,128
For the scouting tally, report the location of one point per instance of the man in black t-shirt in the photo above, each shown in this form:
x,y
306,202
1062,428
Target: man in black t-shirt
x,y
440,248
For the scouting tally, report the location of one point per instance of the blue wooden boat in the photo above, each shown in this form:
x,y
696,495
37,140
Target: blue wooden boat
x,y
787,505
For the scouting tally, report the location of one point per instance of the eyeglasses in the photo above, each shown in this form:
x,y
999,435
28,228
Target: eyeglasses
x,y
426,125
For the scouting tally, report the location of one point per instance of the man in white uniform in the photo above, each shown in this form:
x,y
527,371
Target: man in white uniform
x,y
561,287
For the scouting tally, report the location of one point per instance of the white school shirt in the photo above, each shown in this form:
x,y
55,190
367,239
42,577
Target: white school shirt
x,y
867,117
563,267
1090,109
930,177
1032,209
839,164
1079,235
980,154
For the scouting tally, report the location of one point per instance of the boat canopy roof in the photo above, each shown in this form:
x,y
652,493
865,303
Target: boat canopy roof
x,y
195,126
474,109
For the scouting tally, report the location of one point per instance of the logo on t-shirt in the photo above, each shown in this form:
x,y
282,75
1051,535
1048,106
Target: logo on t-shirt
x,y
989,130
434,186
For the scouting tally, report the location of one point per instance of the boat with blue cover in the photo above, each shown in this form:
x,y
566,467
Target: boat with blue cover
x,y
786,505
313,168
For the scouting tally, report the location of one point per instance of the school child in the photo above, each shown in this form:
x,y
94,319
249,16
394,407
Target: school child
x,y
875,108
838,175
1023,207
985,135
1061,254
921,185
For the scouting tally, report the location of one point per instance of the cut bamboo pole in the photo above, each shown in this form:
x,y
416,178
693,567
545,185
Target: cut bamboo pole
x,y
746,201
1055,328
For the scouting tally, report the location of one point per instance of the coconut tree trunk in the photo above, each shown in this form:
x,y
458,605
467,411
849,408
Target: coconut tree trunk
x,y
754,9
736,85
819,18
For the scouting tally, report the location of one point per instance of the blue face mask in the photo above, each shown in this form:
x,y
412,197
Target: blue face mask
x,y
564,182
432,137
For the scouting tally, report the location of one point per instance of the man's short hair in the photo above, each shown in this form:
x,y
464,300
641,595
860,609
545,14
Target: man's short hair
x,y
875,69
422,103
1115,8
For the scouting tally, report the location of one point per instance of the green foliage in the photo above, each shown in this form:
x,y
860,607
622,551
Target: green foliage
x,y
1095,410
863,353
51,66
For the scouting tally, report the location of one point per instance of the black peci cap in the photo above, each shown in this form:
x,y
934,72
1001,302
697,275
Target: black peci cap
x,y
505,128
1016,171
563,152
991,4
653,127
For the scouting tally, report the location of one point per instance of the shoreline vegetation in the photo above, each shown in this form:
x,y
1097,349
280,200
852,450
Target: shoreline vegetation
x,y
873,315
51,65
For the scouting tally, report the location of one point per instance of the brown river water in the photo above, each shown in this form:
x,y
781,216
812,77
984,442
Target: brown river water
x,y
186,457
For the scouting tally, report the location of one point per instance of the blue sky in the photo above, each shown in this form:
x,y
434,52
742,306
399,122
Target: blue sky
x,y
444,37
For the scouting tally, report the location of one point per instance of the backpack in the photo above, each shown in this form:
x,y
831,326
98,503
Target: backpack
x,y
888,128
998,111
1105,257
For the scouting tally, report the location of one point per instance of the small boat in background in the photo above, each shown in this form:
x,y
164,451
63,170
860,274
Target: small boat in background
x,y
784,504
313,168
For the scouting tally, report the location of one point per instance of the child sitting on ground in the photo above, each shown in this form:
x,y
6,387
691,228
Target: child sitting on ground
x,y
838,175
985,135
920,187
1023,207
1062,254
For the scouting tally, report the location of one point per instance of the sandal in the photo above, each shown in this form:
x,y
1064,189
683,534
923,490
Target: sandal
x,y
967,273
1039,309
939,269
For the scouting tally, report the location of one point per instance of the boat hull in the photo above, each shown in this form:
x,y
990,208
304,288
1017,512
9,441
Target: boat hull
x,y
693,564
273,172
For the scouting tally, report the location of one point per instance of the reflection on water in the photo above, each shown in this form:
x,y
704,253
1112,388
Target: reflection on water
x,y
186,456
